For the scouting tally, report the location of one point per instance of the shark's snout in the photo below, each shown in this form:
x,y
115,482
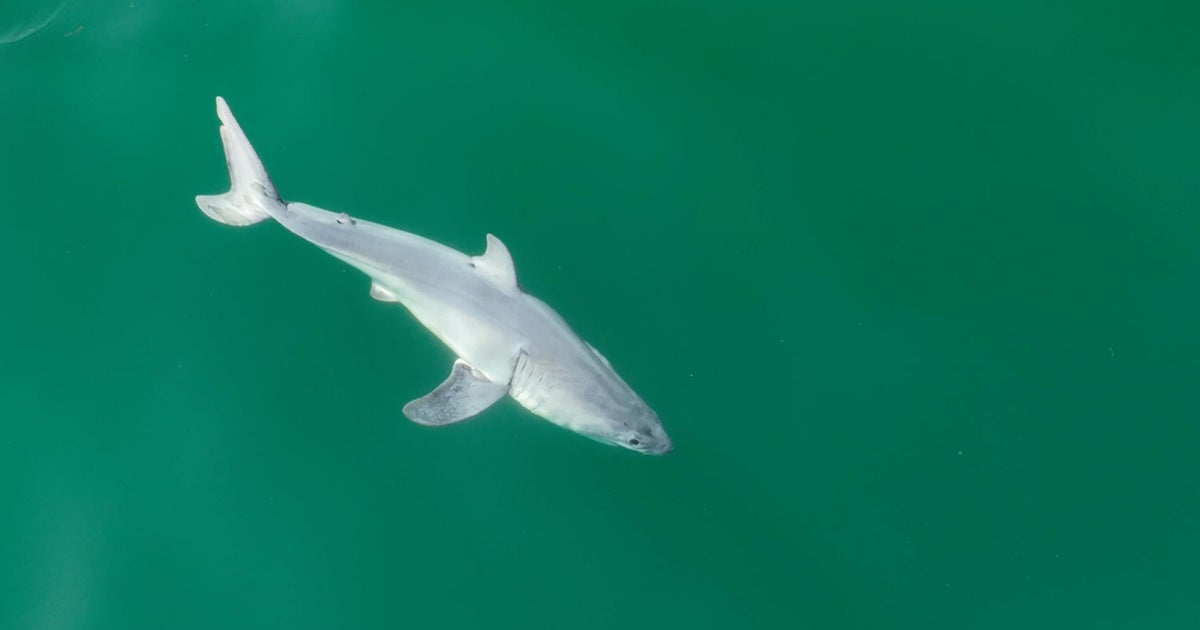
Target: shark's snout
x,y
662,447
663,444
650,439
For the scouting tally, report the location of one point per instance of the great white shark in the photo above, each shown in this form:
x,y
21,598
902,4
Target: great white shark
x,y
507,341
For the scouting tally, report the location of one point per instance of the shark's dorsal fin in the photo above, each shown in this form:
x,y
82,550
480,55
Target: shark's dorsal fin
x,y
463,394
497,263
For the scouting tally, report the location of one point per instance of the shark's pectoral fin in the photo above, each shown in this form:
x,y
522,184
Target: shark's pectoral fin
x,y
463,394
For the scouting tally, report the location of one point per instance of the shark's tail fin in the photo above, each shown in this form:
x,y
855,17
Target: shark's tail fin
x,y
252,196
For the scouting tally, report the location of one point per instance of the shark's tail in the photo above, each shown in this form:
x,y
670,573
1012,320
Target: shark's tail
x,y
252,196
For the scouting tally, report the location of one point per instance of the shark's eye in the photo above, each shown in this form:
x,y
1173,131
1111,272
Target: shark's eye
x,y
634,442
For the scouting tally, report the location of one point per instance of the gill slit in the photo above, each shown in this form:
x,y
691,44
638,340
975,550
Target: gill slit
x,y
527,383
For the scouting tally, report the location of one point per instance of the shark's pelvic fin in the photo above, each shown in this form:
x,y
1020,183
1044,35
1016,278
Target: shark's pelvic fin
x,y
463,394
252,196
497,263
598,355
382,293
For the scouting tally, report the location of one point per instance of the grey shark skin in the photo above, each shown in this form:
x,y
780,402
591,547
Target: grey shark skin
x,y
507,341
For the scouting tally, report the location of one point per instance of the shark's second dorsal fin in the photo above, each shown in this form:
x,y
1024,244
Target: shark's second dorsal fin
x,y
497,263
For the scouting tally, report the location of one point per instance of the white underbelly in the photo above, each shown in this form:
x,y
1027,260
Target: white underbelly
x,y
474,337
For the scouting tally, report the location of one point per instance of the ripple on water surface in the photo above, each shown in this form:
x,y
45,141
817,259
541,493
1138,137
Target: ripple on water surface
x,y
22,19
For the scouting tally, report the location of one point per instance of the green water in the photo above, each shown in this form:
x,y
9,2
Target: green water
x,y
913,287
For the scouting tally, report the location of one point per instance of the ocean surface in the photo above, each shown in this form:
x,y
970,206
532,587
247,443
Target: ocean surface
x,y
913,286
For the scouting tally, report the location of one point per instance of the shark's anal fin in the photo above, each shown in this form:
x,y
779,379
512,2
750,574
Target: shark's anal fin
x,y
497,263
463,394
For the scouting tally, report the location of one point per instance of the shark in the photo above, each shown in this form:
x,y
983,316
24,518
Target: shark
x,y
507,342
